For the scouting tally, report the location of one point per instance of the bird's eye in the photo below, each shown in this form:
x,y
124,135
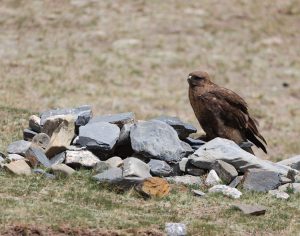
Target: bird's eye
x,y
190,77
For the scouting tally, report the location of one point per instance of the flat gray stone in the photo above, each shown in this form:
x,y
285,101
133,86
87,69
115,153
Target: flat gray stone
x,y
248,209
228,151
58,158
37,156
109,175
19,167
225,171
117,119
293,162
159,168
35,123
42,140
261,180
75,112
203,162
186,167
19,147
279,194
28,134
185,179
99,136
114,161
14,157
83,158
194,143
236,181
226,190
175,229
212,179
133,167
198,193
157,140
62,170
183,129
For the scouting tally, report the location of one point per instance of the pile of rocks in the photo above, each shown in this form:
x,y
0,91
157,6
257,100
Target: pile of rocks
x,y
148,155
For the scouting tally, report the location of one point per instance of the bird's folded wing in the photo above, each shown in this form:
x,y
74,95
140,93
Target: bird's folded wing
x,y
228,106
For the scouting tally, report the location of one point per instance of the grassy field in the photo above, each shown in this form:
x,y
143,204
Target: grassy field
x,y
135,56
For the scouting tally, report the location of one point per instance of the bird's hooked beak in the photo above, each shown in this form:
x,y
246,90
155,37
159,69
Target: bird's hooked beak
x,y
189,79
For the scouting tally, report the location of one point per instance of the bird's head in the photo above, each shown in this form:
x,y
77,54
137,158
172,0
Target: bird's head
x,y
198,78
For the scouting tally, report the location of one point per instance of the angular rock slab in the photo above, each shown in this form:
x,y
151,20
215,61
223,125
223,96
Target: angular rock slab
x,y
118,119
175,229
185,179
248,209
225,171
261,180
83,158
226,190
133,167
37,156
19,147
62,170
14,157
228,151
159,168
19,167
109,176
58,158
28,134
236,181
186,167
183,129
99,136
198,193
75,112
156,139
212,179
61,137
293,162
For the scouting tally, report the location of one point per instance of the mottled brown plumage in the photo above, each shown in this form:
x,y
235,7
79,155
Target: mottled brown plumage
x,y
221,112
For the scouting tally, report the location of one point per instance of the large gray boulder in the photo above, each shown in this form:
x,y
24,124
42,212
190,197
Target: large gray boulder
x,y
183,129
75,112
261,180
18,147
99,136
293,162
118,119
156,139
228,151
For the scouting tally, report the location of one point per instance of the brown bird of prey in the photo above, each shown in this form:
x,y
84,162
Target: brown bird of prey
x,y
222,113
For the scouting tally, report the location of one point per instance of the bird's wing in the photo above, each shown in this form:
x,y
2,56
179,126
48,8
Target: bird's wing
x,y
233,110
230,107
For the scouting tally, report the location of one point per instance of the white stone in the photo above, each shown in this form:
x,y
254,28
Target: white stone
x,y
212,179
226,190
